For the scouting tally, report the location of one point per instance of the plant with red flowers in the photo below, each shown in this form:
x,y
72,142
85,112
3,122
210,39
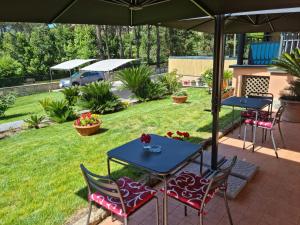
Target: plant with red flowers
x,y
179,135
87,119
145,138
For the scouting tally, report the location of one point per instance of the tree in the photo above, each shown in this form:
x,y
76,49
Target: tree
x,y
157,47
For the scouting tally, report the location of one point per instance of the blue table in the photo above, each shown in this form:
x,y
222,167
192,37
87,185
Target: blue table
x,y
255,103
174,156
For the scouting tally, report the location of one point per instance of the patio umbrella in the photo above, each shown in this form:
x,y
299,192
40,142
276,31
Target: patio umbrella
x,y
138,12
125,12
248,22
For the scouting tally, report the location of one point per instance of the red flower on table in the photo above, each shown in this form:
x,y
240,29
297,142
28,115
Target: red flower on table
x,y
170,134
179,133
145,138
186,134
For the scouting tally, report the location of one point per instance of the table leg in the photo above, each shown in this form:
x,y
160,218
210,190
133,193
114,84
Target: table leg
x,y
254,131
165,214
108,167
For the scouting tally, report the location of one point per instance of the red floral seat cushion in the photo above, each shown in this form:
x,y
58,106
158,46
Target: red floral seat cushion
x,y
189,189
134,195
252,114
260,123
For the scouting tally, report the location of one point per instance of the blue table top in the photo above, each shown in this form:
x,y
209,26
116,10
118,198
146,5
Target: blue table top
x,y
244,102
173,154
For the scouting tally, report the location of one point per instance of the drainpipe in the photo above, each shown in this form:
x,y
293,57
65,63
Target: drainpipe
x,y
241,47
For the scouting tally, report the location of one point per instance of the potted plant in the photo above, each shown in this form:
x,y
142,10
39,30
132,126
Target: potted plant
x,y
290,96
207,77
180,97
87,124
227,92
228,74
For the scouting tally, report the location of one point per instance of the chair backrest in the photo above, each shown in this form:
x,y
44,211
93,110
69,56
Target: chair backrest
x,y
263,95
278,115
104,185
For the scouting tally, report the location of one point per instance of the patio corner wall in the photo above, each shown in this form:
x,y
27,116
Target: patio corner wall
x,y
278,80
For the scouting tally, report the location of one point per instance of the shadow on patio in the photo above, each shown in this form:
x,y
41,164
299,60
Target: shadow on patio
x,y
270,198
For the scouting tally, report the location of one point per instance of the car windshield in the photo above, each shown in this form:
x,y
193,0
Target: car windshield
x,y
75,75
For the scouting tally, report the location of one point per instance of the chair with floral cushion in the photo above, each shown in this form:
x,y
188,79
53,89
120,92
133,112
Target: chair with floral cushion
x,y
251,114
266,125
195,191
122,197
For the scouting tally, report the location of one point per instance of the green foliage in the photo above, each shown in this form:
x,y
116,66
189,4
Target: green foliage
x,y
34,121
227,75
180,93
291,64
170,81
58,110
9,67
98,97
71,94
138,80
207,77
6,101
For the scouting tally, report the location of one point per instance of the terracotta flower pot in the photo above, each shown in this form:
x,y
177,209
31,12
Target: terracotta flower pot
x,y
87,130
292,111
179,99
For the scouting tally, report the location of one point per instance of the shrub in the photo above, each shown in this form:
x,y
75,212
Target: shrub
x,y
71,94
180,93
98,97
34,121
228,74
170,81
138,80
58,110
208,77
6,101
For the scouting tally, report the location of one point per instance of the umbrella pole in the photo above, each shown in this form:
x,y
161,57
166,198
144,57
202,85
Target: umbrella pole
x,y
218,68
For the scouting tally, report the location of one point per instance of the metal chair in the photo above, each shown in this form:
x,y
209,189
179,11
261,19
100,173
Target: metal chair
x,y
122,197
195,191
266,125
251,114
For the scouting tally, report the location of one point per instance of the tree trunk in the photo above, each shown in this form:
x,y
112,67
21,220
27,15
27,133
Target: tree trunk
x,y
130,42
157,47
137,34
106,42
99,41
121,42
148,43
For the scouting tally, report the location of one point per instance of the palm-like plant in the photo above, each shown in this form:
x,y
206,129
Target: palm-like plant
x,y
291,64
34,121
71,94
98,97
136,79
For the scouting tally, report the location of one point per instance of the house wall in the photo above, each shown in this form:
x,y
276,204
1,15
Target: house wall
x,y
194,66
278,79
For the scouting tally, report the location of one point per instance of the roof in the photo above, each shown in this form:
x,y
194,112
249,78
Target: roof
x,y
71,64
107,65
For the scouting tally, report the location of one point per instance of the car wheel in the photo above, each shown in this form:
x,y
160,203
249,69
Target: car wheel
x,y
100,79
75,84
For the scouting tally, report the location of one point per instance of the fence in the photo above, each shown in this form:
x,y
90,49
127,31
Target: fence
x,y
29,89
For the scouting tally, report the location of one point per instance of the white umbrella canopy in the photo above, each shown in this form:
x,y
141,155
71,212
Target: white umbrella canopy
x,y
126,12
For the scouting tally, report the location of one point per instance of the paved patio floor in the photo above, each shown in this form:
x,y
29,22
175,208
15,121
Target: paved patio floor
x,y
272,197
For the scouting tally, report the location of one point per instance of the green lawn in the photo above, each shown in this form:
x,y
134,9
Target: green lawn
x,y
40,180
24,106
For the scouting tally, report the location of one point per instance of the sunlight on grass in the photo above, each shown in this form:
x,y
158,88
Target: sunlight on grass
x,y
40,180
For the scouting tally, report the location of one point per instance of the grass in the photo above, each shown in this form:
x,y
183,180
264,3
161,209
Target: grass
x,y
40,180
26,105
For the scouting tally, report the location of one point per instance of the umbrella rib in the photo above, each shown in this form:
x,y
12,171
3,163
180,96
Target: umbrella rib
x,y
152,3
270,24
63,11
115,2
193,27
203,8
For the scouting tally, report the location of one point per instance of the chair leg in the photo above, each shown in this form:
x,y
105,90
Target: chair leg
x,y
125,221
157,211
185,210
245,133
90,211
274,145
201,218
227,208
280,132
240,127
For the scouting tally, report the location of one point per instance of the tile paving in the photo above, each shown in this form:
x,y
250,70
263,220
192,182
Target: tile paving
x,y
272,197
